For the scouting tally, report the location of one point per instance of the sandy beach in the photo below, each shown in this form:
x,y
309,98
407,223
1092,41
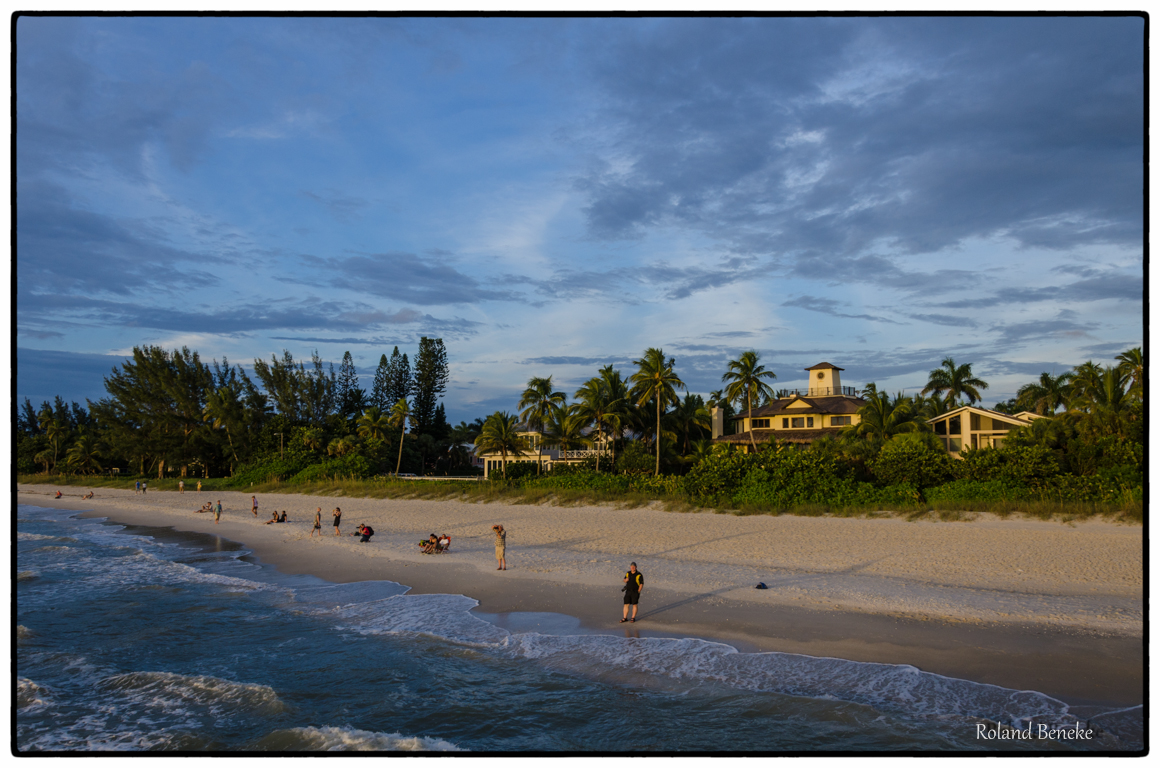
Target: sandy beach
x,y
1025,604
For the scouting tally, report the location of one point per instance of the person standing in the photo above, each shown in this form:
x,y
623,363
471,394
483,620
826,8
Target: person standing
x,y
199,486
317,523
337,519
181,486
217,512
633,586
254,502
500,547
144,487
137,488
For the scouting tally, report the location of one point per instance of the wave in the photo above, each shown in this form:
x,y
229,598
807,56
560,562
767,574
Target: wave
x,y
27,575
347,739
171,691
23,632
31,695
24,536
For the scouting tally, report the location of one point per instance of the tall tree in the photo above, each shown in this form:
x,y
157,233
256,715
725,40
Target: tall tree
x,y
536,404
380,392
598,404
400,413
743,381
956,381
882,417
372,424
565,428
655,380
1046,395
350,396
431,377
400,386
1132,364
225,411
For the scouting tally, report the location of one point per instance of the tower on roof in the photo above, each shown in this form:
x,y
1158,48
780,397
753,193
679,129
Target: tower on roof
x,y
824,380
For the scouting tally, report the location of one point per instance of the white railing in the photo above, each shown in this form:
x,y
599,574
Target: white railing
x,y
584,454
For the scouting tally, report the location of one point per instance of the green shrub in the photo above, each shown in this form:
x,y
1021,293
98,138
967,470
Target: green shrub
x,y
271,469
718,476
911,462
350,466
1015,465
635,457
977,490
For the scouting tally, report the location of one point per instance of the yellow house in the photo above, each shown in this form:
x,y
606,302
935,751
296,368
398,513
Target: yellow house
x,y
974,427
823,407
552,454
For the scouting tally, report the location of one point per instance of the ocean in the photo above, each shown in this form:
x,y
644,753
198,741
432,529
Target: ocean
x,y
146,639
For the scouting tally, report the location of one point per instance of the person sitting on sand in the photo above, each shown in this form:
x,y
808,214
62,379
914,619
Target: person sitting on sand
x,y
365,531
282,519
273,518
58,495
444,542
207,507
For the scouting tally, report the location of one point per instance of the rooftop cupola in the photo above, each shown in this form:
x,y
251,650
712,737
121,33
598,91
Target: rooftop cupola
x,y
824,380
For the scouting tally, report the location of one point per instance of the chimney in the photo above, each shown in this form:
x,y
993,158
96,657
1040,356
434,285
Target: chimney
x,y
718,416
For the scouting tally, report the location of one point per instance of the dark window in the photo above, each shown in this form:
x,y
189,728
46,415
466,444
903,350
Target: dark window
x,y
940,427
976,422
798,422
809,421
839,421
761,423
785,423
956,425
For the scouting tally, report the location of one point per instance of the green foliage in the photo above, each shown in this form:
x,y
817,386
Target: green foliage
x,y
634,458
272,468
912,461
1015,465
719,476
350,466
977,490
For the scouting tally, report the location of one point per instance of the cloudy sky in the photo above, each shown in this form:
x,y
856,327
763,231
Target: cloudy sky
x,y
551,195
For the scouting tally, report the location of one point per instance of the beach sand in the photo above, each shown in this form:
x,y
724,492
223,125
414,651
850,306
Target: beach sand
x,y
1024,604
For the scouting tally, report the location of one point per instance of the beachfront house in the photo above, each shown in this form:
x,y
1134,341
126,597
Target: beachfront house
x,y
822,407
974,427
552,454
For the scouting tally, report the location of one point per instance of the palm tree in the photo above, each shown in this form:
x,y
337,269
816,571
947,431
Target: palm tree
x,y
223,408
927,408
882,417
565,428
955,381
655,380
597,404
744,380
398,420
58,434
84,453
692,417
1108,406
341,446
372,424
1132,362
537,403
500,434
1085,382
1046,395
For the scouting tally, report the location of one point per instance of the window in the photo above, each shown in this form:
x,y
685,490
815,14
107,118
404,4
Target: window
x,y
976,422
761,423
809,421
839,421
798,422
956,425
940,427
785,423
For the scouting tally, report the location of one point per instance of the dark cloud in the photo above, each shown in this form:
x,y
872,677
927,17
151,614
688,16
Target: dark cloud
x,y
342,207
308,314
1064,325
624,284
598,362
830,307
1099,286
956,321
792,136
405,277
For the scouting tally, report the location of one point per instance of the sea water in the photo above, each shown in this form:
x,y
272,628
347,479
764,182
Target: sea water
x,y
146,639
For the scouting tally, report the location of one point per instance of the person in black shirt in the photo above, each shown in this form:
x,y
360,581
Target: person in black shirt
x,y
633,586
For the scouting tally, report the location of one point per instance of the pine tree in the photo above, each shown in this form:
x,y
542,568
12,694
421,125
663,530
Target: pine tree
x,y
349,394
381,390
399,384
430,382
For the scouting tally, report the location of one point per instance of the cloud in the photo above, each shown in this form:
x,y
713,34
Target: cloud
x,y
405,277
1101,285
598,362
1064,324
342,207
830,307
625,284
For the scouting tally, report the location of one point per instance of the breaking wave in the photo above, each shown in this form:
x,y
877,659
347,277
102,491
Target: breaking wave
x,y
347,739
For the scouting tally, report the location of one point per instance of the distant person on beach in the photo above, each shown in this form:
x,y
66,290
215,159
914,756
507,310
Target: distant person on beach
x,y
282,519
217,512
317,523
181,486
137,488
500,547
207,507
633,585
58,495
365,531
144,488
88,495
273,518
254,501
337,519
199,486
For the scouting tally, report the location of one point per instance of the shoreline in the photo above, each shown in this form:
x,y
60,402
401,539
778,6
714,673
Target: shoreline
x,y
1075,661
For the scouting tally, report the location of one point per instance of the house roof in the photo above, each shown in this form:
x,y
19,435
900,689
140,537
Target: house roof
x,y
1021,418
824,365
838,404
785,436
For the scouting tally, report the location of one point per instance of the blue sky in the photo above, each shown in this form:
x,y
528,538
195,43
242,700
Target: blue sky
x,y
551,195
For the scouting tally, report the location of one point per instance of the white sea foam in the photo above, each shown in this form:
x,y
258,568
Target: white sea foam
x,y
30,696
170,692
444,616
23,632
27,575
347,739
24,536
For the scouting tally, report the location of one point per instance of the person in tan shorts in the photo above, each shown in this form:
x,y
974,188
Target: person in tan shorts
x,y
500,546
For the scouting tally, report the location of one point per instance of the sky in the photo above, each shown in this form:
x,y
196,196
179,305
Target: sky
x,y
552,195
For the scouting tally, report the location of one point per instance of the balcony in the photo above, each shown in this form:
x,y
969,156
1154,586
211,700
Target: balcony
x,y
818,392
584,454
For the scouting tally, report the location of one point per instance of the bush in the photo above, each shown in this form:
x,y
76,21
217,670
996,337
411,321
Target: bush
x,y
270,469
350,466
977,490
911,462
1015,465
635,458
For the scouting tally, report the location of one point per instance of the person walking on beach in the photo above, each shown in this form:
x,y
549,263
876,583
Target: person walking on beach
x,y
199,486
500,546
633,586
217,512
337,519
254,501
317,523
181,486
144,487
137,488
